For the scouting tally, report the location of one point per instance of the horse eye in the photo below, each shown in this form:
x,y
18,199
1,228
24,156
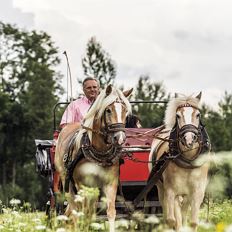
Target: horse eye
x,y
108,111
198,115
177,116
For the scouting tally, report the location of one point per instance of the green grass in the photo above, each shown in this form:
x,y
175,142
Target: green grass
x,y
15,219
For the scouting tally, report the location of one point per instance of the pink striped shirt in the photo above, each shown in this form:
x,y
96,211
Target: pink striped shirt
x,y
76,111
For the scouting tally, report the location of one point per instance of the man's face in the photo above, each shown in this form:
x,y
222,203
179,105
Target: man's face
x,y
91,89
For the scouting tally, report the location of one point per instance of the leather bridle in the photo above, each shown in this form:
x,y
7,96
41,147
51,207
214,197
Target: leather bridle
x,y
177,135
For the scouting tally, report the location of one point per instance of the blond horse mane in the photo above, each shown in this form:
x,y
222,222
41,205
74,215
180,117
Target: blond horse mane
x,y
174,103
98,108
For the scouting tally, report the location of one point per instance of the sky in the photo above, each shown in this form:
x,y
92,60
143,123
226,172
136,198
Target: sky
x,y
184,44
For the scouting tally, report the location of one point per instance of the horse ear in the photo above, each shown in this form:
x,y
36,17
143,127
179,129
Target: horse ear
x,y
127,93
108,90
199,96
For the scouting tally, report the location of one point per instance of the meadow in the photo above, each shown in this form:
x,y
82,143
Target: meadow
x,y
18,217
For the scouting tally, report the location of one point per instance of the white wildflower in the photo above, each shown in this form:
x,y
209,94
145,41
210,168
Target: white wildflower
x,y
62,218
1,227
123,223
97,226
79,198
40,227
16,213
15,202
229,228
61,230
36,220
6,211
186,229
77,214
152,220
206,225
21,224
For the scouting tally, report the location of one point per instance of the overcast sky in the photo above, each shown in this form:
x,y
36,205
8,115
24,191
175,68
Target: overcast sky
x,y
185,44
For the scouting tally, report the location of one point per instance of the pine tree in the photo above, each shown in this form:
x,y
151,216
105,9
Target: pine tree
x,y
151,114
97,63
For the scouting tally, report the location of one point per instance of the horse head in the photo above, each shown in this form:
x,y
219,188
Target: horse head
x,y
188,122
188,136
114,116
106,119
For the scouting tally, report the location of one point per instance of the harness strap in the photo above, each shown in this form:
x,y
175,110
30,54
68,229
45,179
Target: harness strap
x,y
69,174
154,176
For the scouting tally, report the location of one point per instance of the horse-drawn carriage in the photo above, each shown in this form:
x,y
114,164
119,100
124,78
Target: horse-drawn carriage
x,y
173,154
133,166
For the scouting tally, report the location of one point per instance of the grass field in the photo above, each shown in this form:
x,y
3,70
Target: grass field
x,y
18,218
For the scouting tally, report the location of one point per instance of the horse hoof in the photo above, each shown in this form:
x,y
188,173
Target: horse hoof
x,y
171,222
194,225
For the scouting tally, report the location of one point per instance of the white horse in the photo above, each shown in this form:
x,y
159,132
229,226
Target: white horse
x,y
186,150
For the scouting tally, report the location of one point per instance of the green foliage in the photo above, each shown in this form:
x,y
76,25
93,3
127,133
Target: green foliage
x,y
97,63
219,124
29,89
152,114
14,218
220,177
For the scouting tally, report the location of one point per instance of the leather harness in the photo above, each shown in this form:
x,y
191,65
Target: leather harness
x,y
175,155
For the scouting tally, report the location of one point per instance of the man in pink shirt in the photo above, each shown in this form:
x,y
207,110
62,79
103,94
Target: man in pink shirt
x,y
77,109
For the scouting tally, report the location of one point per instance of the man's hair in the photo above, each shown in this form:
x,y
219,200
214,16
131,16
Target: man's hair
x,y
90,79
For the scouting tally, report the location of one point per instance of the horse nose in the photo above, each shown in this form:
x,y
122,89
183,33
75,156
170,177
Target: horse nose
x,y
119,138
189,141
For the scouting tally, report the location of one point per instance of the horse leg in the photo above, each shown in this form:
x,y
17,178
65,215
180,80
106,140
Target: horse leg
x,y
111,192
160,193
197,199
169,201
178,213
184,210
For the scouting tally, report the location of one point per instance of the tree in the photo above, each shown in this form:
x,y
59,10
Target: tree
x,y
29,89
151,114
219,124
97,63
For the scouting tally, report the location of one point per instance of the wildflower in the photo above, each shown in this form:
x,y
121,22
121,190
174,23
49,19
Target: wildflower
x,y
186,229
62,218
61,230
220,227
36,220
6,211
15,202
77,214
123,223
79,198
229,228
138,216
1,227
206,225
20,224
15,213
97,226
152,220
40,227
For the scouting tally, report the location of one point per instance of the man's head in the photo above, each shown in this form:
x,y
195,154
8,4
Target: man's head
x,y
90,88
